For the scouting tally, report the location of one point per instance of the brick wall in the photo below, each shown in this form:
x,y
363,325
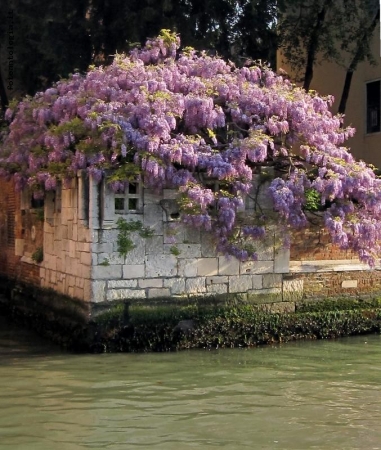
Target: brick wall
x,y
339,284
314,244
14,228
324,270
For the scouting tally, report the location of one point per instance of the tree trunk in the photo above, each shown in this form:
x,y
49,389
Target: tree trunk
x,y
357,58
313,45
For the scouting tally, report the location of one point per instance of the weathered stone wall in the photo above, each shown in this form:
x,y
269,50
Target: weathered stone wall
x,y
79,234
67,258
153,268
57,229
311,268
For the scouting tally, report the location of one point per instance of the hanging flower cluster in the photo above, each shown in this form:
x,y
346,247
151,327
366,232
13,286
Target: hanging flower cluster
x,y
182,120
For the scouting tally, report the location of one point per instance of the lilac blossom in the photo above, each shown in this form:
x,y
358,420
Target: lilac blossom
x,y
190,121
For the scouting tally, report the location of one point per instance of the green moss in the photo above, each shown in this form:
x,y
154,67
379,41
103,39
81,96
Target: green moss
x,y
111,317
171,314
38,255
153,325
39,212
124,240
337,304
174,250
154,328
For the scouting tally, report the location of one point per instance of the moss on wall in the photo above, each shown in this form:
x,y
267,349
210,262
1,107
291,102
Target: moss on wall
x,y
168,328
170,324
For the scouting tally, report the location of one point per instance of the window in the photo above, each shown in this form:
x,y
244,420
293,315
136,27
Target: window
x,y
36,203
27,201
129,202
373,101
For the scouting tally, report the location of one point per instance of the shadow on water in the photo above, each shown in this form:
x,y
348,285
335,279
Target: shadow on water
x,y
16,341
305,395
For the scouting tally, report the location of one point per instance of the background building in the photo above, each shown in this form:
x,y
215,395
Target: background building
x,y
364,100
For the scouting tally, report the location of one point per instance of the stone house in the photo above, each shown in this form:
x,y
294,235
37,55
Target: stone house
x,y
70,244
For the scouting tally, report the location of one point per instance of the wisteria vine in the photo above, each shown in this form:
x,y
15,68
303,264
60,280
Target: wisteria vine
x,y
180,120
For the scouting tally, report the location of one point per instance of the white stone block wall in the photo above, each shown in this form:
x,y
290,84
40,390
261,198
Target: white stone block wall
x,y
152,270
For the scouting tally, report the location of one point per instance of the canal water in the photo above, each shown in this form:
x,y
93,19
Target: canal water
x,y
304,395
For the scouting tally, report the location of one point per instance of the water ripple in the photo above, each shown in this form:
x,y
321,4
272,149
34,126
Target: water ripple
x,y
308,395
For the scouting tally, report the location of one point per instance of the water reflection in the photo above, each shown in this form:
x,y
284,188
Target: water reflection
x,y
305,395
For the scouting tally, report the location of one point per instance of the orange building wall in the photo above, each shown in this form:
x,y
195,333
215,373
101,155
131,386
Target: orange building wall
x,y
329,79
12,227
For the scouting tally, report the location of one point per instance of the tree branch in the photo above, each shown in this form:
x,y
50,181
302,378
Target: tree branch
x,y
313,45
357,58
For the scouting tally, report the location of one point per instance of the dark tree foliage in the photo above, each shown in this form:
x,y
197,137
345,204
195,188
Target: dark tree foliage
x,y
51,41
255,31
3,56
229,27
55,38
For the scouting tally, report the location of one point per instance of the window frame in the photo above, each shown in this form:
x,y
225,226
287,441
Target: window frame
x,y
368,127
127,196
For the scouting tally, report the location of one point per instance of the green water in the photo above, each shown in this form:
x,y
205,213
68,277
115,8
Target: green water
x,y
306,395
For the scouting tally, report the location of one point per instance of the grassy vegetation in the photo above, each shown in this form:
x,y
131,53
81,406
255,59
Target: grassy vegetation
x,y
156,328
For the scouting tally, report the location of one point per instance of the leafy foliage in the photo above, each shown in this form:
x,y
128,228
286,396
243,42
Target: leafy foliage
x,y
182,120
175,250
124,242
38,255
53,40
340,304
40,215
313,200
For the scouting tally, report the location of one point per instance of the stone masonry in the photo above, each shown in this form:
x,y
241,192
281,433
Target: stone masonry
x,y
158,268
66,267
79,234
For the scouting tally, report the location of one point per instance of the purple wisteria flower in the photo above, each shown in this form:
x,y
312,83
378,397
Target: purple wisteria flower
x,y
198,124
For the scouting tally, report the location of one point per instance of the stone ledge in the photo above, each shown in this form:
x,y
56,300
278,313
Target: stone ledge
x,y
29,260
329,266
